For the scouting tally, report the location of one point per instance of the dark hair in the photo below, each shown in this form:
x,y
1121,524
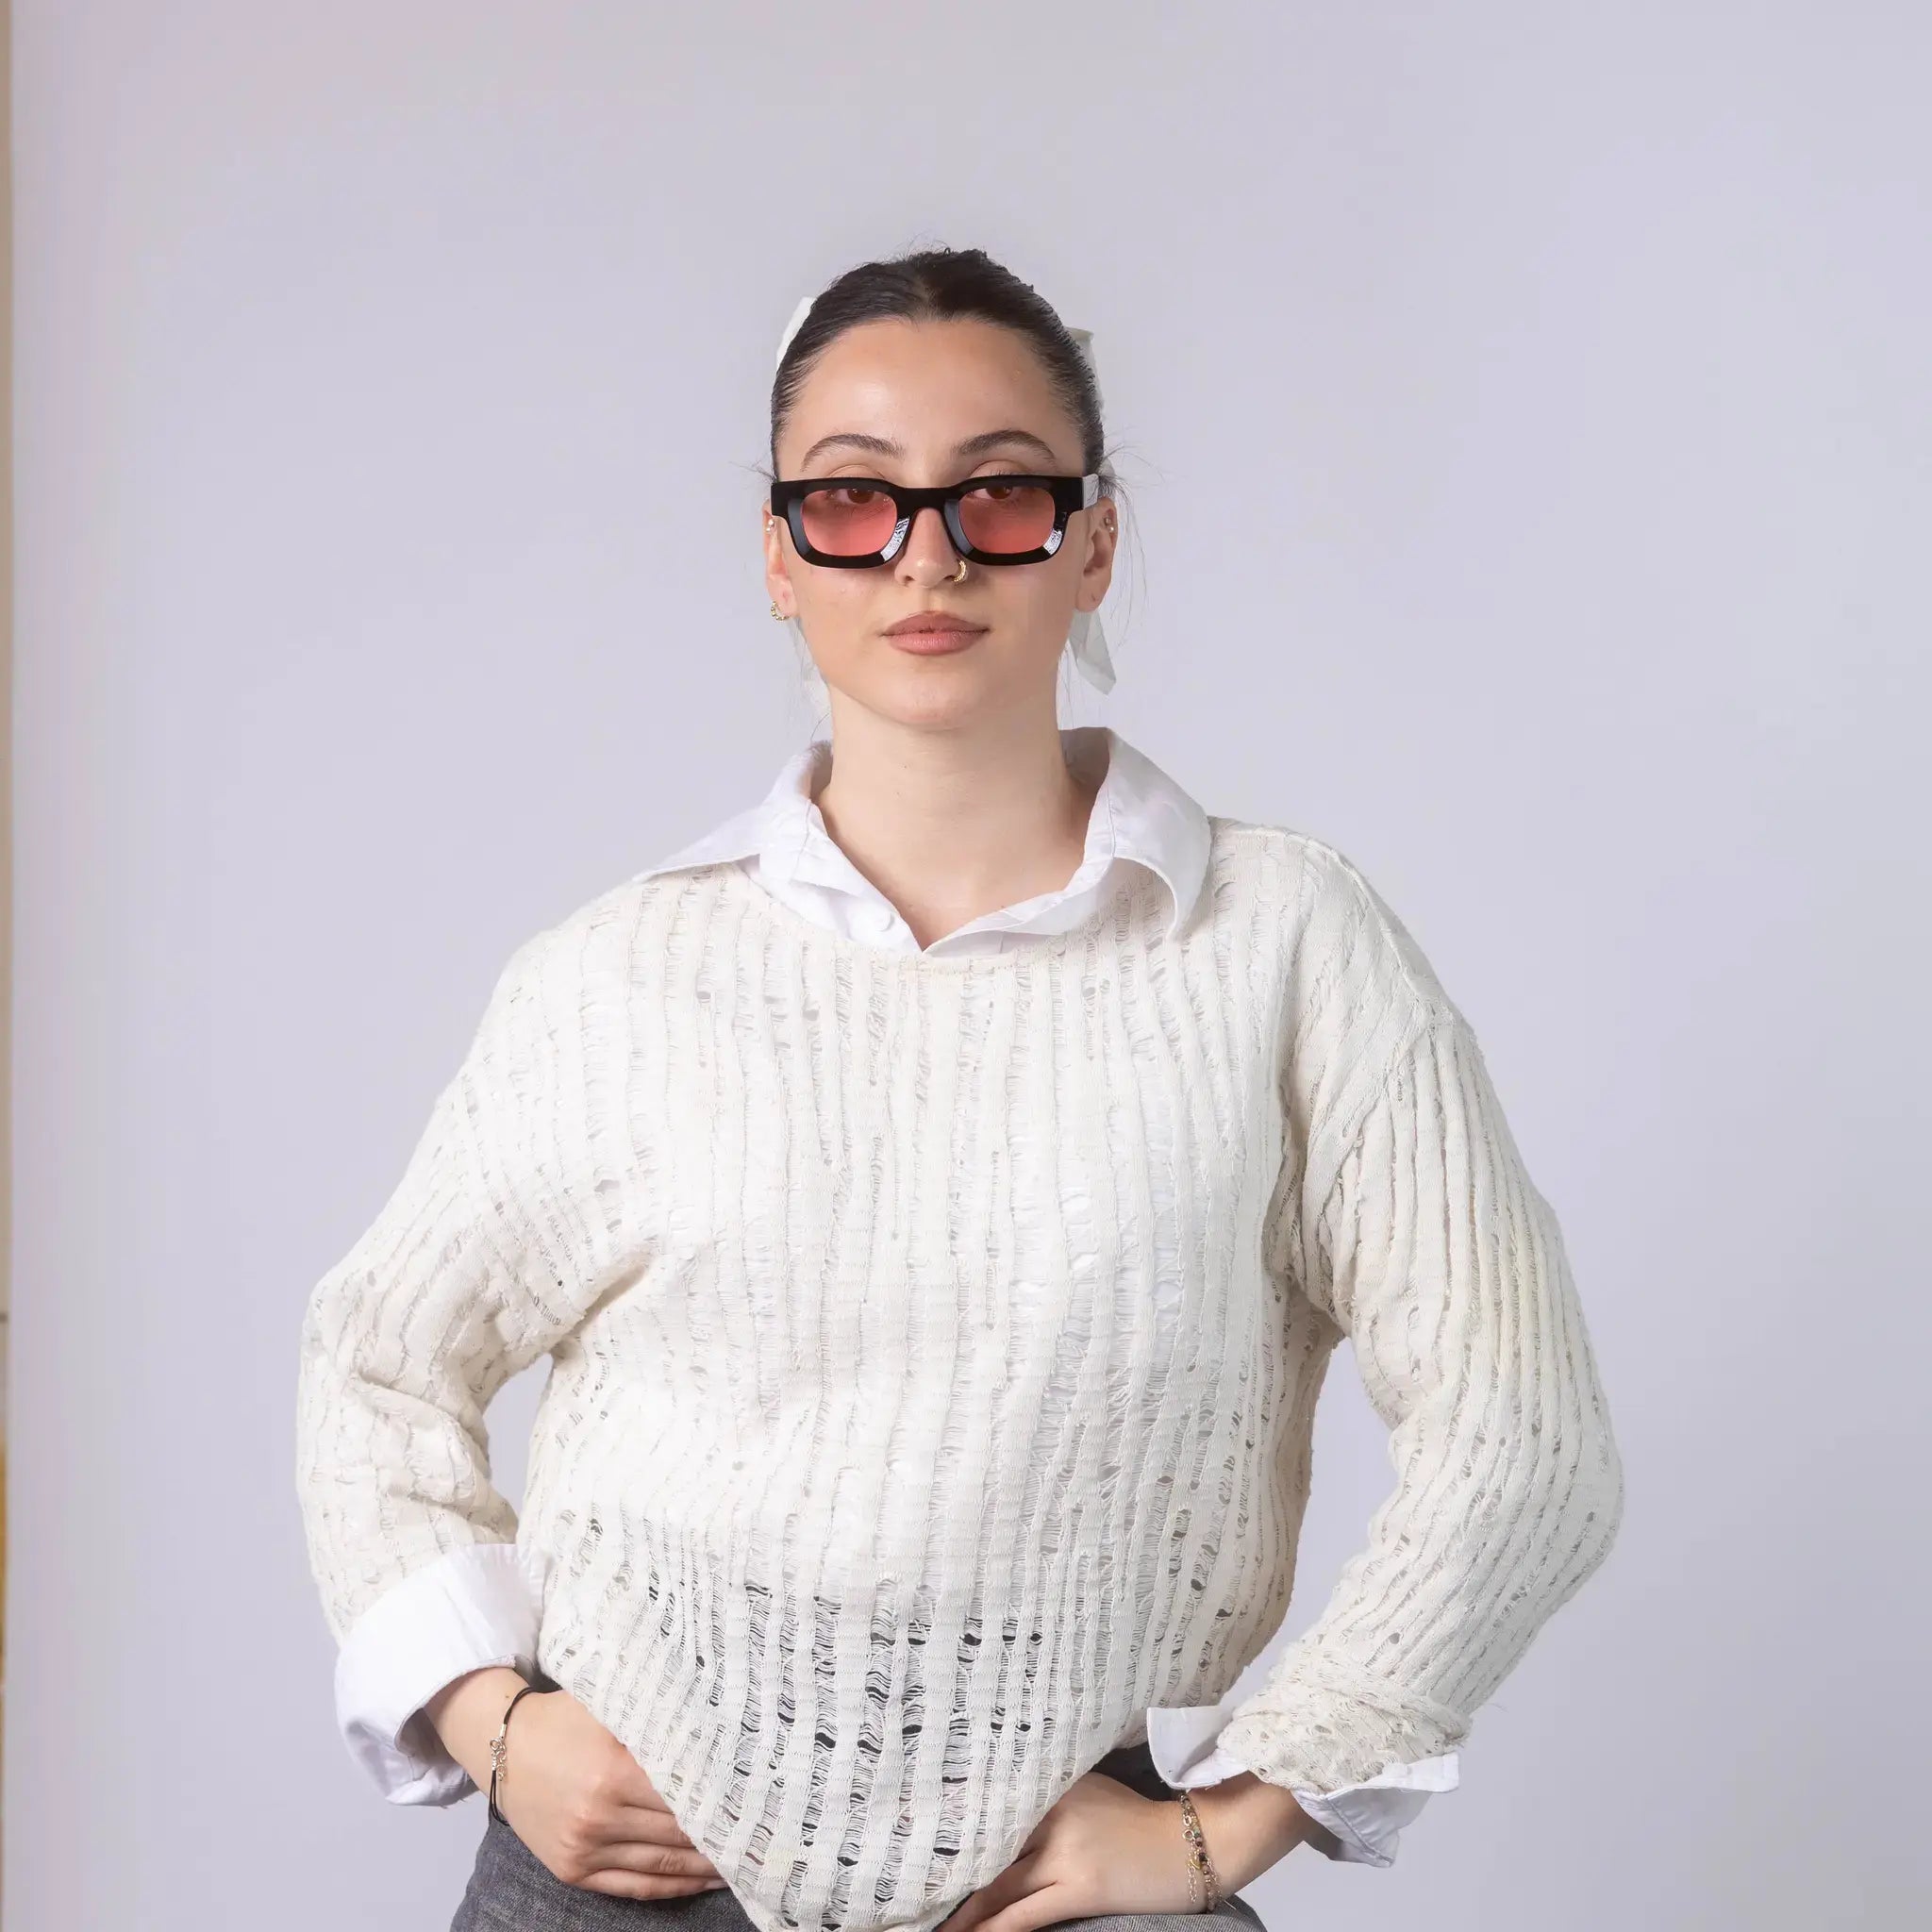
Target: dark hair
x,y
935,285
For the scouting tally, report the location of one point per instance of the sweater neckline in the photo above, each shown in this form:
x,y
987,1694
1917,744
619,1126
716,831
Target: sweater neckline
x,y
767,907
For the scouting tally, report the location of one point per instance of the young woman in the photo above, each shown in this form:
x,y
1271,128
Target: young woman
x,y
940,1191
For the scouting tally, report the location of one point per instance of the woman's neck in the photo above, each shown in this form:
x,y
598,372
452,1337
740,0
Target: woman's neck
x,y
949,825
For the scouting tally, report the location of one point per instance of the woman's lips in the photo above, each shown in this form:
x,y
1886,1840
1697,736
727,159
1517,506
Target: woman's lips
x,y
929,643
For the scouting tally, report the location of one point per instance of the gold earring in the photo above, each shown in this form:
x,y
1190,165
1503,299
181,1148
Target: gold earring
x,y
776,611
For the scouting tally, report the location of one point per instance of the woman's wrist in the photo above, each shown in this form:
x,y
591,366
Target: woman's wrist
x,y
1249,1825
468,1712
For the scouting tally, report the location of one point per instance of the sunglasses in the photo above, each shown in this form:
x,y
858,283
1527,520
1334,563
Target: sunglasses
x,y
855,522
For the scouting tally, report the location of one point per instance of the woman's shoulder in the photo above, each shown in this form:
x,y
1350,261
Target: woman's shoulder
x,y
1336,924
592,948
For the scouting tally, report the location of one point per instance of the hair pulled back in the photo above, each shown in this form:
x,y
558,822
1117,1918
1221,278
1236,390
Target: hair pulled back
x,y
942,285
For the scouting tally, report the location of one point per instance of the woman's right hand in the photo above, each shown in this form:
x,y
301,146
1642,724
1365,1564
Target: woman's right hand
x,y
570,1790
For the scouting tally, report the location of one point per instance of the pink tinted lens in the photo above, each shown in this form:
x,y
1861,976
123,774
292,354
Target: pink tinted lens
x,y
848,520
1006,517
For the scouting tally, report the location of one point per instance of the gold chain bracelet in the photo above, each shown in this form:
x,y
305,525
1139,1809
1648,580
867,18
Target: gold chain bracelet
x,y
1201,1872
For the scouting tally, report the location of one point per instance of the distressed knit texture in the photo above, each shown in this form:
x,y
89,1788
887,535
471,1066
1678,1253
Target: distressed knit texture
x,y
934,1346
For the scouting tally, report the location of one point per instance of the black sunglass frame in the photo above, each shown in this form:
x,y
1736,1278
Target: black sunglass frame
x,y
1069,494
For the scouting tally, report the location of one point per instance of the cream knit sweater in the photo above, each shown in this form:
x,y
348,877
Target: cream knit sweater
x,y
935,1349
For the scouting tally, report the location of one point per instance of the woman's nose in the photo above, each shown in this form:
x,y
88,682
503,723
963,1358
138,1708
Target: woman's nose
x,y
929,547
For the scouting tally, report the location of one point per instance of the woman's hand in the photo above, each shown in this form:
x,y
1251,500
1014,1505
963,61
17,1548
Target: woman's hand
x,y
570,1790
1104,1848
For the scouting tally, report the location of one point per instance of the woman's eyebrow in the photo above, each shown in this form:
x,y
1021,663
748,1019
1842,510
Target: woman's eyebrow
x,y
885,446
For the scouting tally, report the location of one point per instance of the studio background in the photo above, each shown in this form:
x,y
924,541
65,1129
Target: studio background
x,y
1524,417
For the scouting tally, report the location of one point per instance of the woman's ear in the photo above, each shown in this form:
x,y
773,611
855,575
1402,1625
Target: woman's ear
x,y
777,578
1096,570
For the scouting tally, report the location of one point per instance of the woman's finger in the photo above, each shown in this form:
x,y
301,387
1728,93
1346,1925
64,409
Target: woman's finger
x,y
1015,1882
649,1822
658,1860
621,1884
1048,1906
626,1783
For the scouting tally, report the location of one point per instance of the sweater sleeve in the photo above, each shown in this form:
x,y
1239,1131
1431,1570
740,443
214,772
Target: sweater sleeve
x,y
467,1274
1422,1238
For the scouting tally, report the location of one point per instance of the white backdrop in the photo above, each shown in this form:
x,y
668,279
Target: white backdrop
x,y
1525,414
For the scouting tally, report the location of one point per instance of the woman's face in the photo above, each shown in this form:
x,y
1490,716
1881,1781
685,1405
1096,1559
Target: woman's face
x,y
918,392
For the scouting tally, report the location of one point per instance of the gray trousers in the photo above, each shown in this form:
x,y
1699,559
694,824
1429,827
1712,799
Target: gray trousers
x,y
511,1890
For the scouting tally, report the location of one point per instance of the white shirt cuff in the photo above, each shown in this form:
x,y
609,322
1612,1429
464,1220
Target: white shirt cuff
x,y
1366,1819
473,1607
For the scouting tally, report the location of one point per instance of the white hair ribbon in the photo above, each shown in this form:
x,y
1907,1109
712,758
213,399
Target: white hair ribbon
x,y
1086,639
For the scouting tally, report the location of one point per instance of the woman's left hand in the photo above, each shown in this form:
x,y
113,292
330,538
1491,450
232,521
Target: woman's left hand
x,y
1104,1848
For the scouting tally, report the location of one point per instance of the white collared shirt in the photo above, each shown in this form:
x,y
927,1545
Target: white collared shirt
x,y
481,1604
1140,814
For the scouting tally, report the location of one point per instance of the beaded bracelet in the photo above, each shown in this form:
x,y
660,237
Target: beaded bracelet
x,y
497,1746
1201,1869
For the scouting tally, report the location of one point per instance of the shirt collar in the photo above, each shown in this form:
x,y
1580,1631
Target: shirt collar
x,y
1139,813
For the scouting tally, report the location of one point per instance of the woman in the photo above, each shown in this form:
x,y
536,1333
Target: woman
x,y
940,1191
